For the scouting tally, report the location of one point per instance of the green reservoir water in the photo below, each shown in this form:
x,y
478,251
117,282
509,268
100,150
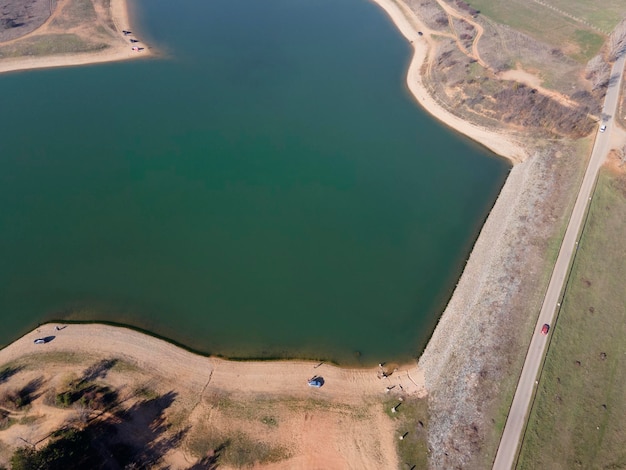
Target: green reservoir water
x,y
268,189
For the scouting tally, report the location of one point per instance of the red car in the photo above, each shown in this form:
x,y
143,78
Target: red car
x,y
545,329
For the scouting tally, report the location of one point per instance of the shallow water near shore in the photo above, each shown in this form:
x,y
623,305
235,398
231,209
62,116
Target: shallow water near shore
x,y
268,190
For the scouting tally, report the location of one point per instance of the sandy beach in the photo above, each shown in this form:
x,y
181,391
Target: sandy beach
x,y
150,353
118,48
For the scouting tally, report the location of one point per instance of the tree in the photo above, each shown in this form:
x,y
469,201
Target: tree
x,y
617,41
69,449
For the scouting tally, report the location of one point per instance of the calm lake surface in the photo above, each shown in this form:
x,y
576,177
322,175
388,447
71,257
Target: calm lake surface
x,y
268,189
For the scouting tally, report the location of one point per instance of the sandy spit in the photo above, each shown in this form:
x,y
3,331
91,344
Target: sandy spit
x,y
117,50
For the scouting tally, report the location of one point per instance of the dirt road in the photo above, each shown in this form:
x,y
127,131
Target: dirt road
x,y
516,421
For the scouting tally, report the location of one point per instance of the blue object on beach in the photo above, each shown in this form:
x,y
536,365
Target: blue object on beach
x,y
316,382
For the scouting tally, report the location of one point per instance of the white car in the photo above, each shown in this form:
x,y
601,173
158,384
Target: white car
x,y
602,127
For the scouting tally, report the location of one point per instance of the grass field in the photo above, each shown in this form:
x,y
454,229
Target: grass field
x,y
576,39
49,44
75,13
532,15
603,15
577,417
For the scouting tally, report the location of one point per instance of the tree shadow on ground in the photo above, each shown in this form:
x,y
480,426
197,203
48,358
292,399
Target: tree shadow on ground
x,y
137,437
8,372
31,391
17,399
207,463
98,371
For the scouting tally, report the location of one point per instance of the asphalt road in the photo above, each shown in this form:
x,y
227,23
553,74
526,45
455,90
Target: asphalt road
x,y
515,424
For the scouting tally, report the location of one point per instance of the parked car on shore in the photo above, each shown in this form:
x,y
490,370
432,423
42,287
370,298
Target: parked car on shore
x,y
316,382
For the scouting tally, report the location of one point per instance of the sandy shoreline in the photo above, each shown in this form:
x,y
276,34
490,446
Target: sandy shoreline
x,y
409,25
165,359
118,50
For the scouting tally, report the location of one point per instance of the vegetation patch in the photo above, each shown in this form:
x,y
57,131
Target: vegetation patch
x,y
6,421
74,13
411,424
233,448
124,366
50,44
35,361
589,44
67,449
241,451
604,16
485,98
31,419
20,398
87,394
146,393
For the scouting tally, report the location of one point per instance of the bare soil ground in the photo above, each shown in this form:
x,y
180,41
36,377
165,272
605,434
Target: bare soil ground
x,y
144,401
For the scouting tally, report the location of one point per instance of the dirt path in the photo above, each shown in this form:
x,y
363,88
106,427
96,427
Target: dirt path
x,y
452,13
518,75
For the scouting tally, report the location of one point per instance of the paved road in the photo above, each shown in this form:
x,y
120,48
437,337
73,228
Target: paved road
x,y
507,452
